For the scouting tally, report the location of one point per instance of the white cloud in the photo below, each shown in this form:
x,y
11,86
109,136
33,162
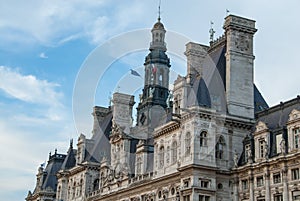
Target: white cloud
x,y
31,125
52,22
28,88
43,55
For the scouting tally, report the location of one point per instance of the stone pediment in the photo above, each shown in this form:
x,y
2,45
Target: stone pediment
x,y
260,127
294,115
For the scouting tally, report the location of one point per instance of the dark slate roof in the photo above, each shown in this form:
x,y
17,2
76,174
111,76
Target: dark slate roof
x,y
70,160
219,60
199,94
276,119
259,102
277,116
157,56
54,165
101,141
217,55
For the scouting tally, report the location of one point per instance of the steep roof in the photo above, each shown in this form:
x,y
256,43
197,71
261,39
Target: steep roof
x,y
54,165
101,145
70,160
277,116
199,94
217,55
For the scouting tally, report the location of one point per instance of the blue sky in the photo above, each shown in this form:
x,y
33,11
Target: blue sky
x,y
46,44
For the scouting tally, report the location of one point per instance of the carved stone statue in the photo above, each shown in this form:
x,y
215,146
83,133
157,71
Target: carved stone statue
x,y
115,129
170,97
249,154
236,159
282,146
266,150
141,97
151,90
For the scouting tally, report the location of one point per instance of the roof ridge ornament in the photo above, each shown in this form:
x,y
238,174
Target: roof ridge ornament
x,y
211,31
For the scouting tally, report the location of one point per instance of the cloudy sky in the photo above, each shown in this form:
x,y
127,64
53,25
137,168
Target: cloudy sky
x,y
44,46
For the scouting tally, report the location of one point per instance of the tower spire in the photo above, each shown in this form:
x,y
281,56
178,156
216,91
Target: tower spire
x,y
159,10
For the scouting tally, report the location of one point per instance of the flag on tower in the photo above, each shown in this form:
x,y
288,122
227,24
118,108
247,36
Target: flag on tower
x,y
135,73
154,69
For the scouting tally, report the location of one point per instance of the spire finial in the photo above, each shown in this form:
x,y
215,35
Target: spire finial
x,y
211,31
227,12
71,143
159,10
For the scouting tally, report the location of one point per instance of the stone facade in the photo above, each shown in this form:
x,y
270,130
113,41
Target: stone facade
x,y
213,138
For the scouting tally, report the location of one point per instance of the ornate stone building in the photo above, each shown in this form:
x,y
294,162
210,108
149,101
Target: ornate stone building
x,y
213,138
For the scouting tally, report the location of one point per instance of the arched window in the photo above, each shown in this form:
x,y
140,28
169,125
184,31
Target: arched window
x,y
188,144
203,139
161,156
220,148
174,152
160,77
139,166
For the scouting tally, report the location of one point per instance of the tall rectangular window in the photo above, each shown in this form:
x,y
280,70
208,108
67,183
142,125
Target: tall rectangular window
x,y
276,178
245,184
296,132
295,173
262,148
203,139
259,181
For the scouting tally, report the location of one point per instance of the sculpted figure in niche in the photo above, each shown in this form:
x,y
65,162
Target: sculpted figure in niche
x,y
249,153
266,150
236,159
151,90
282,146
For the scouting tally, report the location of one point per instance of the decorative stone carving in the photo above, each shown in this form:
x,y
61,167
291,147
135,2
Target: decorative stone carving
x,y
242,43
236,159
261,126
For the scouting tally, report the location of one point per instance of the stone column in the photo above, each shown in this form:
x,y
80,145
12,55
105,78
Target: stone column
x,y
285,184
251,187
268,192
236,189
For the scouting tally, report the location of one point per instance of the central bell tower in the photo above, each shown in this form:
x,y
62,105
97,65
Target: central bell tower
x,y
153,100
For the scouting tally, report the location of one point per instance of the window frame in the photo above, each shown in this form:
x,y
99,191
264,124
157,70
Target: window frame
x,y
203,138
